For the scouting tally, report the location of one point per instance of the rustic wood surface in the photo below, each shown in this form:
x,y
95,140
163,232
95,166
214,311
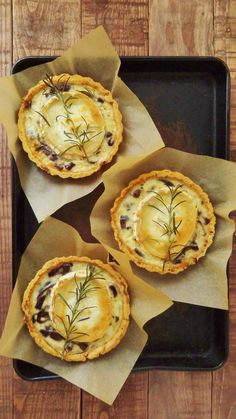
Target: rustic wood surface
x,y
137,27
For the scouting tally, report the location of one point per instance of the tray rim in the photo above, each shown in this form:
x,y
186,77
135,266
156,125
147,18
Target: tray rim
x,y
179,59
163,58
137,58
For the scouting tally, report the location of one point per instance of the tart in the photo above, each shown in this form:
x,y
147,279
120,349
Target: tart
x,y
163,221
70,125
76,308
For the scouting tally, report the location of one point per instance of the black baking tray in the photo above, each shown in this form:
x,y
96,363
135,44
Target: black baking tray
x,y
188,99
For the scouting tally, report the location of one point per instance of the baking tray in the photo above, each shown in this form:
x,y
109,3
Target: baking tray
x,y
188,99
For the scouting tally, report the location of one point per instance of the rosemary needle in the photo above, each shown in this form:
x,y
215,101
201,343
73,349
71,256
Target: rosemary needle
x,y
170,227
76,313
78,137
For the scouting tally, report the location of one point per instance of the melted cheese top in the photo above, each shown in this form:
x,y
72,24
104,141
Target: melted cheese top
x,y
64,324
73,132
152,220
95,310
162,221
83,113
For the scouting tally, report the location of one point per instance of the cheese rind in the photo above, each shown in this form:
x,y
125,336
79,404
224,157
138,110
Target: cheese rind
x,y
163,221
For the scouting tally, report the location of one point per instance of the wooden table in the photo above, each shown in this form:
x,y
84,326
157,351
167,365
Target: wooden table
x,y
137,27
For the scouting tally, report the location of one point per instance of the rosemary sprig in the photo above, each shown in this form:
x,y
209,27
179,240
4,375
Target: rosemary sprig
x,y
42,116
170,227
77,136
87,92
76,313
58,90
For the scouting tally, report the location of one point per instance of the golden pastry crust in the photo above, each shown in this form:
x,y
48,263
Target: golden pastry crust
x,y
163,221
70,130
105,324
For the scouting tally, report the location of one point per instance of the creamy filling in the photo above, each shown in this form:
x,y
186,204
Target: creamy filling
x,y
162,221
74,133
73,314
93,314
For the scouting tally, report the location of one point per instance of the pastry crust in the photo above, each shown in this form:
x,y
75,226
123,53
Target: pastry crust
x,y
155,238
97,328
72,130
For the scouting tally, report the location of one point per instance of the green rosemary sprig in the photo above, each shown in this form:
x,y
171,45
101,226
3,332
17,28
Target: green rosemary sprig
x,y
42,116
82,289
77,136
87,92
170,227
57,89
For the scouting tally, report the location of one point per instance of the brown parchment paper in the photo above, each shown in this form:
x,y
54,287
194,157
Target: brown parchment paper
x,y
92,56
104,376
205,283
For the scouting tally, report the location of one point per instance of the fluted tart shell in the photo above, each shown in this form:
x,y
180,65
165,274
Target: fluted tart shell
x,y
76,308
69,125
163,221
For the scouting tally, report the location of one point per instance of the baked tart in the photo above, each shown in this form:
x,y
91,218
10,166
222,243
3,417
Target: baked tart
x,y
70,125
76,308
163,221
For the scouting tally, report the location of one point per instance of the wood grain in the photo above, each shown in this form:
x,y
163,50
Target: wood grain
x,y
225,48
233,117
44,399
126,22
225,31
181,27
224,384
45,27
177,395
130,403
6,370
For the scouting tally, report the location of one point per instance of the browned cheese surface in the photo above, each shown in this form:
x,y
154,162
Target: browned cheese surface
x,y
137,27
